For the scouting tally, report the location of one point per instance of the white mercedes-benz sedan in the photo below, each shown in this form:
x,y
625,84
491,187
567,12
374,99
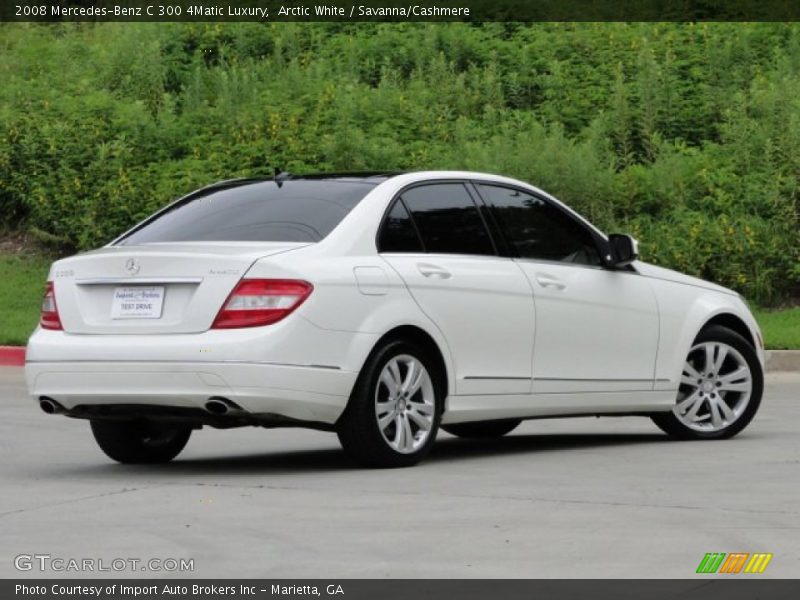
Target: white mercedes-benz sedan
x,y
382,307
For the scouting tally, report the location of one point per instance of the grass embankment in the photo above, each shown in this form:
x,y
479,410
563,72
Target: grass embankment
x,y
781,328
22,284
684,135
21,287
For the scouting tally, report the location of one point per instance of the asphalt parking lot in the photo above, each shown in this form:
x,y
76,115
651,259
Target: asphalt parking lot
x,y
558,498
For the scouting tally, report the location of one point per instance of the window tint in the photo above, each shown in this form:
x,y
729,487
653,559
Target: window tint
x,y
398,233
447,219
536,228
297,211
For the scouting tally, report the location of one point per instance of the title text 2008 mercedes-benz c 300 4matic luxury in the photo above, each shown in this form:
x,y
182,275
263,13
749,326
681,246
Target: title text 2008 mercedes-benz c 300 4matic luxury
x,y
382,307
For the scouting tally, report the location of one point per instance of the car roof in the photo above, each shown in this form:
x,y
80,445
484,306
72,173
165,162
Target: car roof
x,y
372,177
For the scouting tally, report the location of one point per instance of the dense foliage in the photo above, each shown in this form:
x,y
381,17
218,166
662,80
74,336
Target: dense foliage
x,y
686,135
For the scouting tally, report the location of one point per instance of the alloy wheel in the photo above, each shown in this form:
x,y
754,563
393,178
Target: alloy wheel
x,y
405,404
716,386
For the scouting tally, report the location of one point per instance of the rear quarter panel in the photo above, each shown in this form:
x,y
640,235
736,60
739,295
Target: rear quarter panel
x,y
357,294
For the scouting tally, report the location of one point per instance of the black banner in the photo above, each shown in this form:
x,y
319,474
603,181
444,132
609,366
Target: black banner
x,y
398,10
418,589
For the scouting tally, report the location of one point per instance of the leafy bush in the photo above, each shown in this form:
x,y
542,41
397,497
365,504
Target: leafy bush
x,y
688,135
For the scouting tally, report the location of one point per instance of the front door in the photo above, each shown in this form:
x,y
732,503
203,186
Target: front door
x,y
596,329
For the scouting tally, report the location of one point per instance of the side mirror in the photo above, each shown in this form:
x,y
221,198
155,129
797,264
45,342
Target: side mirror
x,y
623,249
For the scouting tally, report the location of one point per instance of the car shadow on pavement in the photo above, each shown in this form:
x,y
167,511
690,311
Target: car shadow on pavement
x,y
447,449
451,449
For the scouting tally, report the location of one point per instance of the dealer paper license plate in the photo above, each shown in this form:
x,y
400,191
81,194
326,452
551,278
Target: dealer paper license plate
x,y
137,302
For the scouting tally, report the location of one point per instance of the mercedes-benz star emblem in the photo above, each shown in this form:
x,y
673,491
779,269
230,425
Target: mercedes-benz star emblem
x,y
132,266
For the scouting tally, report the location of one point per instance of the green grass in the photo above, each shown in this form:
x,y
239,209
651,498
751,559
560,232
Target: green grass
x,y
22,284
21,287
781,328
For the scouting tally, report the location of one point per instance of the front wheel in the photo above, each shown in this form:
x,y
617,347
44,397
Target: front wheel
x,y
140,442
393,414
720,389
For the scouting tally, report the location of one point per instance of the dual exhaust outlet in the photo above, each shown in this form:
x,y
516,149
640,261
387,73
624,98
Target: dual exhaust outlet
x,y
216,406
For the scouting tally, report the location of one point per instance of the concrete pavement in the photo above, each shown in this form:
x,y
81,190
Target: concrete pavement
x,y
558,498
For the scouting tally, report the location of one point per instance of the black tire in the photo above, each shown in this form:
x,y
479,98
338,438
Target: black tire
x,y
140,442
482,429
358,428
670,424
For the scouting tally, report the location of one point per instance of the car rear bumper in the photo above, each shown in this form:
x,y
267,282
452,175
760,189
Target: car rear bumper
x,y
292,369
303,393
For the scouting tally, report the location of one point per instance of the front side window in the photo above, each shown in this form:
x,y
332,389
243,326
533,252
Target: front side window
x,y
538,229
448,219
302,210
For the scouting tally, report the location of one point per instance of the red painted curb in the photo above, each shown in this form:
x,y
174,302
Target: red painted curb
x,y
12,356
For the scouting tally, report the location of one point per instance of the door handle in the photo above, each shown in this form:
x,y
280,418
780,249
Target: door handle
x,y
429,270
550,281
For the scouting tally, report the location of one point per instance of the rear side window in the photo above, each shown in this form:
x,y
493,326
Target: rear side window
x,y
448,220
398,233
538,229
297,211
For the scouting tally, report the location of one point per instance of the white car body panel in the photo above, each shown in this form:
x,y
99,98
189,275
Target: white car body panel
x,y
612,338
462,409
484,309
608,342
196,276
686,304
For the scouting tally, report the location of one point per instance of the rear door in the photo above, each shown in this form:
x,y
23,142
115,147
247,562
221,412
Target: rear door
x,y
597,329
436,237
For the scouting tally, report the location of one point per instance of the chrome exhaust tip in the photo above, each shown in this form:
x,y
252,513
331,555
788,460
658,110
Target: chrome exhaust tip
x,y
220,406
50,406
217,407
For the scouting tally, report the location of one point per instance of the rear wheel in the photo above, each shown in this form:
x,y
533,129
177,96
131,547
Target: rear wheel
x,y
142,442
720,389
393,414
482,429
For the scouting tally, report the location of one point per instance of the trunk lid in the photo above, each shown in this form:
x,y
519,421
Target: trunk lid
x,y
174,287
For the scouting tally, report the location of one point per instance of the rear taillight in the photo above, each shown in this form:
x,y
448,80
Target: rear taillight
x,y
256,302
50,318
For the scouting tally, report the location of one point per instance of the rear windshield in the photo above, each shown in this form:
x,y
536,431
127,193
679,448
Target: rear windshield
x,y
297,211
